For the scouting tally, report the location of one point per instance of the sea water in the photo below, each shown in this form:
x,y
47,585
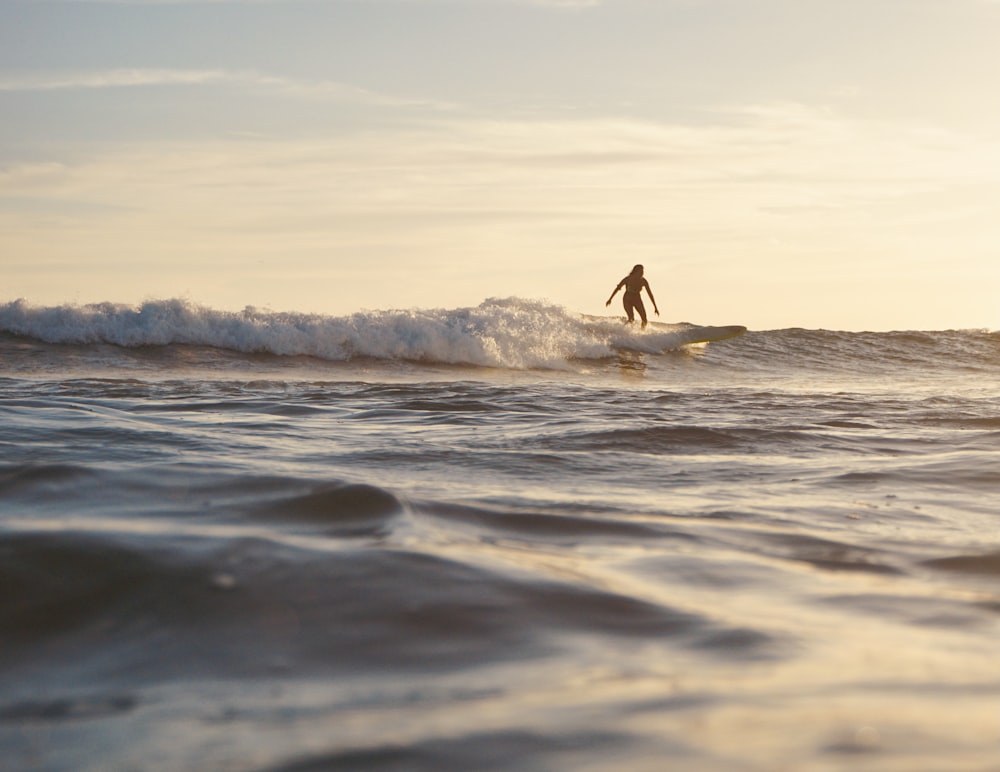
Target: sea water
x,y
500,537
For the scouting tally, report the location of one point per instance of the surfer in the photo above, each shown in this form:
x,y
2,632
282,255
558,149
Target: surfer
x,y
633,284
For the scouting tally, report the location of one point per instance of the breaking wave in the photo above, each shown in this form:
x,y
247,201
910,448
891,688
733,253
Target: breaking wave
x,y
506,333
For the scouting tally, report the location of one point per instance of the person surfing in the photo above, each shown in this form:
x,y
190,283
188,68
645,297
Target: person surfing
x,y
634,284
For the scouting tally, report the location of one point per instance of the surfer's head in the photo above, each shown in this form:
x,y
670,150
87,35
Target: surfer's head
x,y
637,270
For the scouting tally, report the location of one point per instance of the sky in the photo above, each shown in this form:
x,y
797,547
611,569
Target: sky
x,y
774,163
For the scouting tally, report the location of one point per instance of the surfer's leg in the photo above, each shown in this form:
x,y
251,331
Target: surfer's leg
x,y
629,312
642,311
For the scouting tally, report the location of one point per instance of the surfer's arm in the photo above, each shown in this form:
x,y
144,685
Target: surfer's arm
x,y
620,285
650,292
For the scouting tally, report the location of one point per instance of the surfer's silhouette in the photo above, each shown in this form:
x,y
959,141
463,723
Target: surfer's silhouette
x,y
633,284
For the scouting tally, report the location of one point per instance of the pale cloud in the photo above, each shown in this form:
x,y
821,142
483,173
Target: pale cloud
x,y
134,78
117,78
548,3
782,153
335,90
566,3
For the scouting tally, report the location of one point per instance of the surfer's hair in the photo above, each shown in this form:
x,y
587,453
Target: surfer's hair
x,y
637,269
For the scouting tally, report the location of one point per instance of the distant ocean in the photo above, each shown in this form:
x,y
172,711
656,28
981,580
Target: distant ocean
x,y
500,537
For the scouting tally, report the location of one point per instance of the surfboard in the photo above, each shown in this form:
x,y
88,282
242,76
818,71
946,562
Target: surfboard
x,y
707,334
656,341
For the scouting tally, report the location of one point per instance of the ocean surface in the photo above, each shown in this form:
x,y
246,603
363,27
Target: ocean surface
x,y
499,537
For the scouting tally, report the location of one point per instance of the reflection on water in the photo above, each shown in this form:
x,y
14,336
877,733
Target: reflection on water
x,y
430,568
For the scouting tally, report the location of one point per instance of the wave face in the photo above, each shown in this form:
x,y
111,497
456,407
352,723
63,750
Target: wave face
x,y
510,333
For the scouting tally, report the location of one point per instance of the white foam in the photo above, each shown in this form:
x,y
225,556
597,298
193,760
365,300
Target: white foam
x,y
508,333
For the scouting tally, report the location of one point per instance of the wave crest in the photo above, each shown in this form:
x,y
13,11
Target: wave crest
x,y
506,333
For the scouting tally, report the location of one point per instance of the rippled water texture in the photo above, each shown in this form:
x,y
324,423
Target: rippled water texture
x,y
776,552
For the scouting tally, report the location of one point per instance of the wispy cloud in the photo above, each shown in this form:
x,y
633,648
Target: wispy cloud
x,y
118,78
550,3
282,86
741,172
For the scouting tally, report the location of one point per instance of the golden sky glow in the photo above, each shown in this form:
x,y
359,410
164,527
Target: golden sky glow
x,y
772,163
